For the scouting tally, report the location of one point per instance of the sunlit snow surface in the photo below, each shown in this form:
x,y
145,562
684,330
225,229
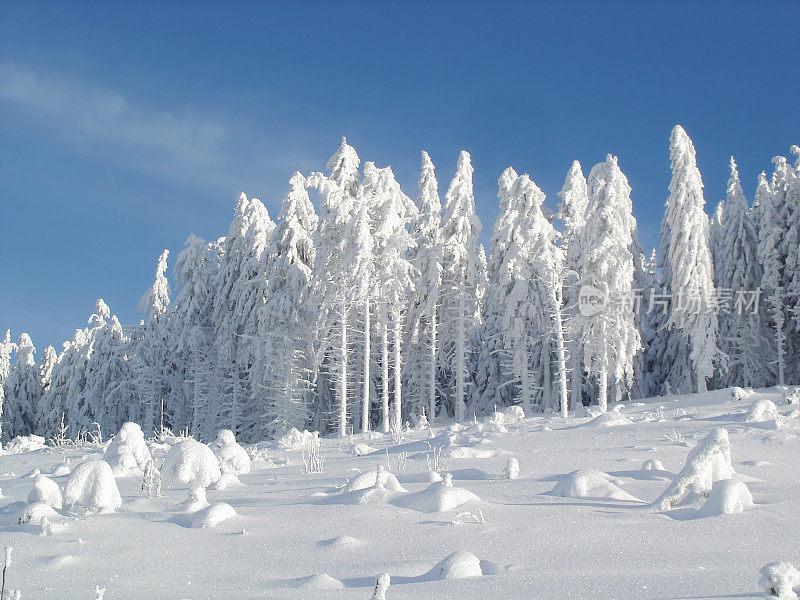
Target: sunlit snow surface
x,y
286,534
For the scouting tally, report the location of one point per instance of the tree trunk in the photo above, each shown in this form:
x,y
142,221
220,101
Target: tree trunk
x,y
432,372
365,397
384,371
460,405
561,363
343,373
398,398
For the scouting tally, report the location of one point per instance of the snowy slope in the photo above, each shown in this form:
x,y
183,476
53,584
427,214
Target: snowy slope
x,y
298,535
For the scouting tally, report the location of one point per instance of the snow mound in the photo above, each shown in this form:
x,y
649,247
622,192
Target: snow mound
x,y
232,458
738,394
613,418
458,565
728,496
361,449
438,497
295,440
211,516
424,477
708,462
318,581
370,478
62,469
512,414
128,453
45,490
588,483
25,443
92,486
653,465
343,541
778,579
470,452
762,411
37,513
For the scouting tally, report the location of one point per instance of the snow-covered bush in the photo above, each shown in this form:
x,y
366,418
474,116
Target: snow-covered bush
x,y
727,496
128,453
38,513
212,515
589,483
458,565
792,397
92,487
778,579
653,465
438,497
25,443
381,585
512,468
763,411
710,461
361,449
233,459
191,465
45,490
369,479
295,440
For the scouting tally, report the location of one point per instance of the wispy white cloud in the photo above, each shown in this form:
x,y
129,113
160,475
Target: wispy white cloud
x,y
182,148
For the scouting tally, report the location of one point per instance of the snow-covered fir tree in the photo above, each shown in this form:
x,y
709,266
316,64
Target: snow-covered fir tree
x,y
22,389
463,282
151,367
332,286
422,321
771,229
286,321
6,350
492,368
572,211
609,337
688,268
740,273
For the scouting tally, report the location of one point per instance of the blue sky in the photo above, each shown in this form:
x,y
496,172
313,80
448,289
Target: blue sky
x,y
124,127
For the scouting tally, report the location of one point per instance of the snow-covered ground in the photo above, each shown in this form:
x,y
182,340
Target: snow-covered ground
x,y
548,533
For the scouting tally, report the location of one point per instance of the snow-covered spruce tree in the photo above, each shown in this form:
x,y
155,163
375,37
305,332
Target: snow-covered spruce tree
x,y
740,272
241,290
150,368
493,370
771,229
716,241
22,389
422,320
286,323
531,279
392,211
358,267
47,366
786,189
689,275
109,388
610,339
792,269
572,211
6,349
330,289
463,282
647,364
190,338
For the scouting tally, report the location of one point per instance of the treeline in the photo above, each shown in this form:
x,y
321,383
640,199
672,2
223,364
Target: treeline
x,y
378,310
